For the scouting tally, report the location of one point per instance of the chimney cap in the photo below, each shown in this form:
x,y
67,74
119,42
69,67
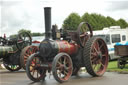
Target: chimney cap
x,y
47,7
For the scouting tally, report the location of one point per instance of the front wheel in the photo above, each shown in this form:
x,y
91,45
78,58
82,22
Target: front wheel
x,y
62,67
95,56
33,68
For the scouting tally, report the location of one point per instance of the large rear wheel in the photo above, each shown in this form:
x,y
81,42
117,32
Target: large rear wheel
x,y
95,56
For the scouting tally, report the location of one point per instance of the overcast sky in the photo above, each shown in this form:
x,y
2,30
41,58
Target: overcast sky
x,y
29,14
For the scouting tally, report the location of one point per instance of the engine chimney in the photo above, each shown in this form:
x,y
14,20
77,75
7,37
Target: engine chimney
x,y
47,15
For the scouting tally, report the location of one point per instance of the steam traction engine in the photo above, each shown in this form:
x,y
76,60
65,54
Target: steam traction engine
x,y
67,52
11,50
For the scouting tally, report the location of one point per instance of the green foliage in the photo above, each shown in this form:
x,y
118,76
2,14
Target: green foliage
x,y
122,23
37,34
112,21
97,21
13,36
72,21
29,31
23,30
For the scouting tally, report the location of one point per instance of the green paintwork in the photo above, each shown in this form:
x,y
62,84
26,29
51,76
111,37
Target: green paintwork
x,y
4,50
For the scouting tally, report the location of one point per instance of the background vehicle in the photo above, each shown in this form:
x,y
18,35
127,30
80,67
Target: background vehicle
x,y
112,36
122,51
11,49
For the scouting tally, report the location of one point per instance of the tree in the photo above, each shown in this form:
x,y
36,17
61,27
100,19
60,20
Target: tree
x,y
112,21
97,21
37,34
72,21
122,23
89,19
29,31
13,36
24,30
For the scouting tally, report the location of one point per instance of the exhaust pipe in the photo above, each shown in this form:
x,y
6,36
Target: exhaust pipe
x,y
47,15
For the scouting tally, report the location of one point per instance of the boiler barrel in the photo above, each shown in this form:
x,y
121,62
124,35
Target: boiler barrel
x,y
49,48
4,51
69,48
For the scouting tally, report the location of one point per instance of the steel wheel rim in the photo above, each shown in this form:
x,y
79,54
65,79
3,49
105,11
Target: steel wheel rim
x,y
35,70
99,57
64,68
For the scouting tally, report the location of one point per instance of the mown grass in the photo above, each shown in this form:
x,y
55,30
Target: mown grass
x,y
112,67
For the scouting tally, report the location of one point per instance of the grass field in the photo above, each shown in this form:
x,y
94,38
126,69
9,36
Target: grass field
x,y
112,67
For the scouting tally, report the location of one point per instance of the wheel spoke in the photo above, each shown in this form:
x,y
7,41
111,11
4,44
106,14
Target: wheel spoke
x,y
68,68
33,72
101,45
36,62
98,67
65,72
25,57
94,66
64,61
102,64
83,41
30,52
26,54
37,74
59,73
24,37
94,60
59,67
96,50
59,63
27,41
104,55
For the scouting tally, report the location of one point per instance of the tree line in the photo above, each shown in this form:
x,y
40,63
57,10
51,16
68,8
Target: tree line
x,y
29,31
97,21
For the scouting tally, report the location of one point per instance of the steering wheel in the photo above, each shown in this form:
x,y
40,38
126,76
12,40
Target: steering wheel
x,y
84,32
23,39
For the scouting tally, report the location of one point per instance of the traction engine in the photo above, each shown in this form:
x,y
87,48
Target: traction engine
x,y
11,50
64,52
